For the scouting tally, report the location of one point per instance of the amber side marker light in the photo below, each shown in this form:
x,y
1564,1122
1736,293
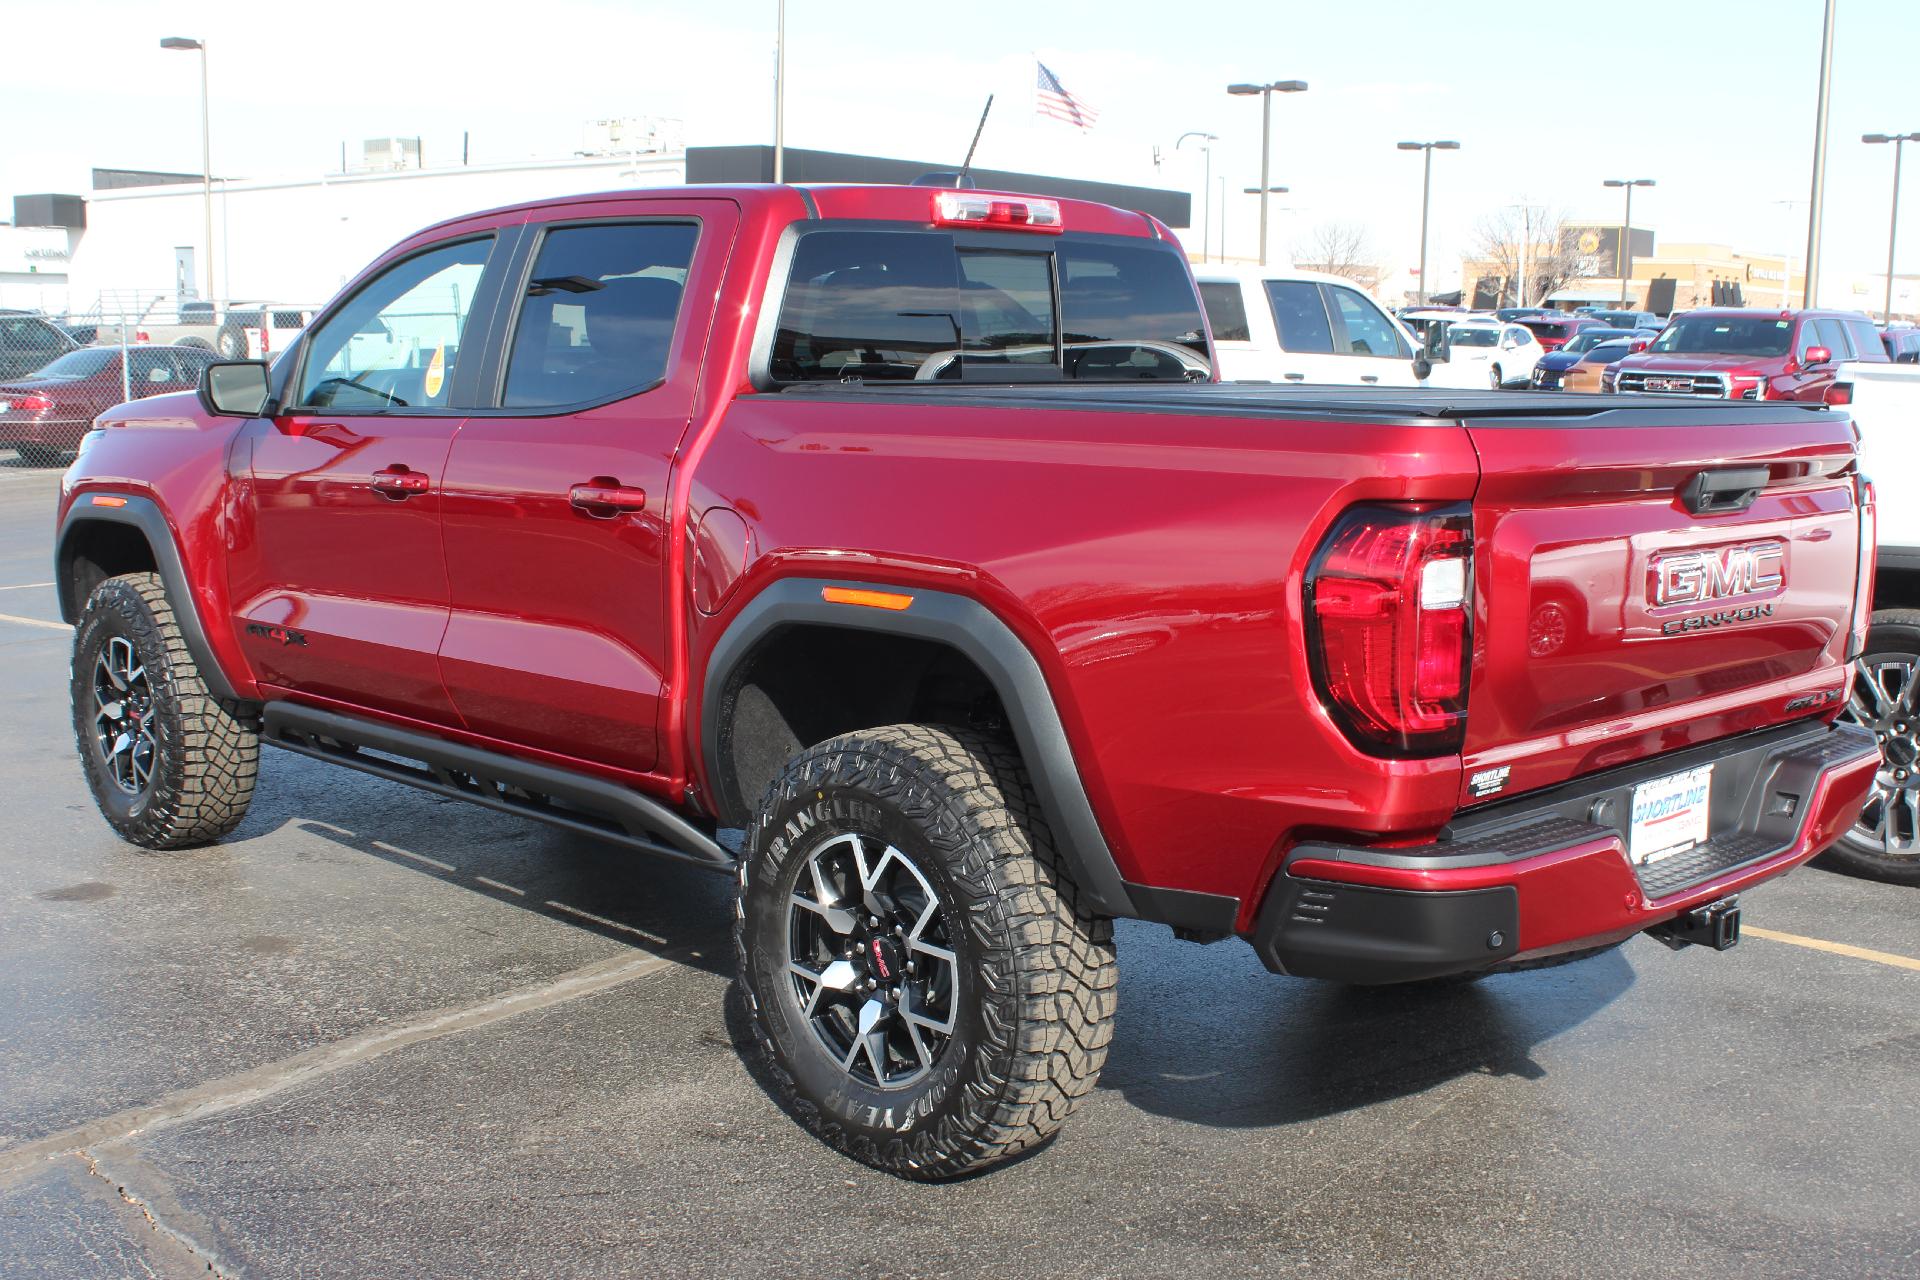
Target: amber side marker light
x,y
102,501
871,599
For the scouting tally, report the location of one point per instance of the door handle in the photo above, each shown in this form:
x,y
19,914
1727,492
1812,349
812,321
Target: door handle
x,y
1369,377
1295,377
605,499
398,482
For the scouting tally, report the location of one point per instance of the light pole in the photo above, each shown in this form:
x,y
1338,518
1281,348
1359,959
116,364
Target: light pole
x,y
1264,192
780,96
1816,203
1893,229
1426,194
1623,252
1266,92
1206,186
206,145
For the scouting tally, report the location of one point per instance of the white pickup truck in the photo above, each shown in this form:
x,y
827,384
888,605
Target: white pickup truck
x,y
1885,403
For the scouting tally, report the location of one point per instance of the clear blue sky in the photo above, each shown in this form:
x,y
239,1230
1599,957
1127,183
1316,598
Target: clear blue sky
x,y
1712,98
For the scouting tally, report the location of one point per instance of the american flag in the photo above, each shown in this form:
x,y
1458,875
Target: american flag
x,y
1052,99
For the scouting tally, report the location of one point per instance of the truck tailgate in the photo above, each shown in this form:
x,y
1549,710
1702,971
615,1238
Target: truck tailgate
x,y
1617,617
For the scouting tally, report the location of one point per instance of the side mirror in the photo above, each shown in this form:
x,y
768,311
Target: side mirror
x,y
1422,367
1818,355
234,388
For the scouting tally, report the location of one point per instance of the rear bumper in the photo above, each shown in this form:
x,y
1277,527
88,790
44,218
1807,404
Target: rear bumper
x,y
1549,873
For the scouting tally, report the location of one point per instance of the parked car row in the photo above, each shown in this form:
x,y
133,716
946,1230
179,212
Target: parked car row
x,y
44,413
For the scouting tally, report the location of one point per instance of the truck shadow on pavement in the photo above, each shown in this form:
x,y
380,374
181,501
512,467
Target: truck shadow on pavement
x,y
1212,1038
657,905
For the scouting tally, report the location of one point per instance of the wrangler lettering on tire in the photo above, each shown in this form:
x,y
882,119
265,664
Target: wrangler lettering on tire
x,y
928,995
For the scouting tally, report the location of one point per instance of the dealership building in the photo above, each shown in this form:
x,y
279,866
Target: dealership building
x,y
135,243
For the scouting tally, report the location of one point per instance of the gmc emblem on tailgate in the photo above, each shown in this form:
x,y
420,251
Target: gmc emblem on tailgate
x,y
1714,574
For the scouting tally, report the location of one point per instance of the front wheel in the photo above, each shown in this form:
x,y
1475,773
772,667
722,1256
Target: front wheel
x,y
929,997
170,765
1494,379
1885,842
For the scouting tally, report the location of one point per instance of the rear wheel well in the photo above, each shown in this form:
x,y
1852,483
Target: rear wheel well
x,y
803,684
1896,588
92,552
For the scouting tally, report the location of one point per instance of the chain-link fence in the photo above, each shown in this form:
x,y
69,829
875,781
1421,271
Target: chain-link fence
x,y
58,372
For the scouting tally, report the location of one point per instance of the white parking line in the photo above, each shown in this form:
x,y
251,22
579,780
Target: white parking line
x,y
35,622
22,586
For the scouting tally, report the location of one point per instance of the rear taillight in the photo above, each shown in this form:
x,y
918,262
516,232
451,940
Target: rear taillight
x,y
1013,213
1863,576
32,404
1839,393
1389,625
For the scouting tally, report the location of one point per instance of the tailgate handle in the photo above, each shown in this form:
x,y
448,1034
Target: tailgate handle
x,y
1712,492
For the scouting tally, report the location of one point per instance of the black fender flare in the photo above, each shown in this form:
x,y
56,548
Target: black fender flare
x,y
971,628
145,515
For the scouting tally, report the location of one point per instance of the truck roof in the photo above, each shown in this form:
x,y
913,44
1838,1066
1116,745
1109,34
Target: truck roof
x,y
877,202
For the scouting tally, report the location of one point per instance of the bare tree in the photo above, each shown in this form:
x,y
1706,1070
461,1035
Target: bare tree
x,y
1340,249
1530,244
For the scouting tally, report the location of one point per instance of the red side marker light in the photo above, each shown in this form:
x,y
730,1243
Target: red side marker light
x,y
869,599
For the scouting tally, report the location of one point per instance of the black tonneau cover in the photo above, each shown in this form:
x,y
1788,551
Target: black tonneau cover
x,y
1262,399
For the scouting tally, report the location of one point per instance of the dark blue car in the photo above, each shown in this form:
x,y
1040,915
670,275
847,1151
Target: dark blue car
x,y
1554,365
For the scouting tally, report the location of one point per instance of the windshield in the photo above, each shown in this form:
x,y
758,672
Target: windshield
x,y
1461,336
1588,339
1726,335
1606,353
75,365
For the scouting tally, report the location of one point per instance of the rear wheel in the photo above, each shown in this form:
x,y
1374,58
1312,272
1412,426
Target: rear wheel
x,y
1885,842
39,455
170,765
929,997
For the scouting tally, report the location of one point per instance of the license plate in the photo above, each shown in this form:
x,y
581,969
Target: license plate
x,y
1669,815
5,405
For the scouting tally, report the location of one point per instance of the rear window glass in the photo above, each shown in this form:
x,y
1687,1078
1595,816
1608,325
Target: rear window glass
x,y
1226,312
900,305
1866,341
1301,317
78,364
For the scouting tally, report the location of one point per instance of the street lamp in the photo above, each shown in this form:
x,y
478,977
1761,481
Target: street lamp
x,y
1206,186
1893,230
206,145
1623,252
1264,192
1266,92
1426,192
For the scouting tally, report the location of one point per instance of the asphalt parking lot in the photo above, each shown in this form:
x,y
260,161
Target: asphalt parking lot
x,y
378,1034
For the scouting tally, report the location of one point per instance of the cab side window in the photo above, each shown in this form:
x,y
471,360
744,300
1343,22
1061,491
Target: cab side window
x,y
598,314
1226,312
1301,317
1367,332
395,344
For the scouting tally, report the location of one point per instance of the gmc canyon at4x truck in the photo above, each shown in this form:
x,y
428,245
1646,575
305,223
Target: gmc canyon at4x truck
x,y
890,525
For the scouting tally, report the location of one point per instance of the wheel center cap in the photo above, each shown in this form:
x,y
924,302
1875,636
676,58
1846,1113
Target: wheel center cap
x,y
884,960
1902,751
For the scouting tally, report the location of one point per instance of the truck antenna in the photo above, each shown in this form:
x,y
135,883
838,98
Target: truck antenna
x,y
961,181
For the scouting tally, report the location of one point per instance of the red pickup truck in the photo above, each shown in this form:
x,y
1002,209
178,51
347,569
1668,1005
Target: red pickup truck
x,y
1731,354
892,526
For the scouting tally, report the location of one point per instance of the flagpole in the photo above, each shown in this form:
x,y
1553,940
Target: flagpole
x,y
780,96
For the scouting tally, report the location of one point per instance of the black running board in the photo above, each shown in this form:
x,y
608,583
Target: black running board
x,y
570,801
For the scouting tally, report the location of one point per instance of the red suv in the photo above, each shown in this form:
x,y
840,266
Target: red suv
x,y
1733,354
1555,332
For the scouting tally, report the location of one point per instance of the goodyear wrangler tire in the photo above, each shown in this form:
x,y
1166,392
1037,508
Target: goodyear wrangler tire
x,y
928,994
170,765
